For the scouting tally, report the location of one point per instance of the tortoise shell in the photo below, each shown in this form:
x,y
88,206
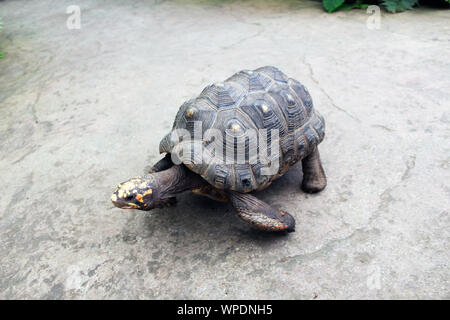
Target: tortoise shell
x,y
246,102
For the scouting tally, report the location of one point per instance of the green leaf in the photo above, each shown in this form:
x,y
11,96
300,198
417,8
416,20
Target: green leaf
x,y
399,5
356,5
347,7
332,5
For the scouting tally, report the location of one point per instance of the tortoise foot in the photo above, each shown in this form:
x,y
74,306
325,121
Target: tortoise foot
x,y
260,214
314,179
313,184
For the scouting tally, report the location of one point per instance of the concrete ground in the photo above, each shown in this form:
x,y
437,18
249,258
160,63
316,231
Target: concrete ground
x,y
82,110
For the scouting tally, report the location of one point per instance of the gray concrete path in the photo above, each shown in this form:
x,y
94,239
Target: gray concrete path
x,y
82,110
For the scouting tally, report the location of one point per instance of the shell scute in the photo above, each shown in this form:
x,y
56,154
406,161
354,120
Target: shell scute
x,y
223,94
303,94
251,81
273,73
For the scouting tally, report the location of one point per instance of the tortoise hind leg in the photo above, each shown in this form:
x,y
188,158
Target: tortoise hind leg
x,y
163,164
314,179
260,214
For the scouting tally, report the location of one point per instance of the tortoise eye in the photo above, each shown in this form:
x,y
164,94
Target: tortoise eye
x,y
128,198
247,183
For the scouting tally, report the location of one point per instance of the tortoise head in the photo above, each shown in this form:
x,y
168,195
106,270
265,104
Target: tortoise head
x,y
139,193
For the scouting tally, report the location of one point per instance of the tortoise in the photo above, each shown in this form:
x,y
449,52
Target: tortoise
x,y
248,101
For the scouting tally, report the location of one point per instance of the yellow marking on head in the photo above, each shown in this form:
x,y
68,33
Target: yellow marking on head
x,y
120,194
139,197
149,191
143,185
133,205
128,185
114,198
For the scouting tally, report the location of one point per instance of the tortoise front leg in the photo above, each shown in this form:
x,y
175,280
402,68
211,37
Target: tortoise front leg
x,y
314,179
260,214
163,164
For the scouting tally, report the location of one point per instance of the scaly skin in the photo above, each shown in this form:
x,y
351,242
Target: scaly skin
x,y
263,222
163,164
155,190
160,188
260,214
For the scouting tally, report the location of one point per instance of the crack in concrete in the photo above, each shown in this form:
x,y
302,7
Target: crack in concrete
x,y
386,197
386,200
30,151
311,75
330,245
18,197
240,20
383,127
33,107
410,164
257,34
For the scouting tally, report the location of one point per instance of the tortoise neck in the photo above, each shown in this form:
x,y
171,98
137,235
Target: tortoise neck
x,y
177,179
